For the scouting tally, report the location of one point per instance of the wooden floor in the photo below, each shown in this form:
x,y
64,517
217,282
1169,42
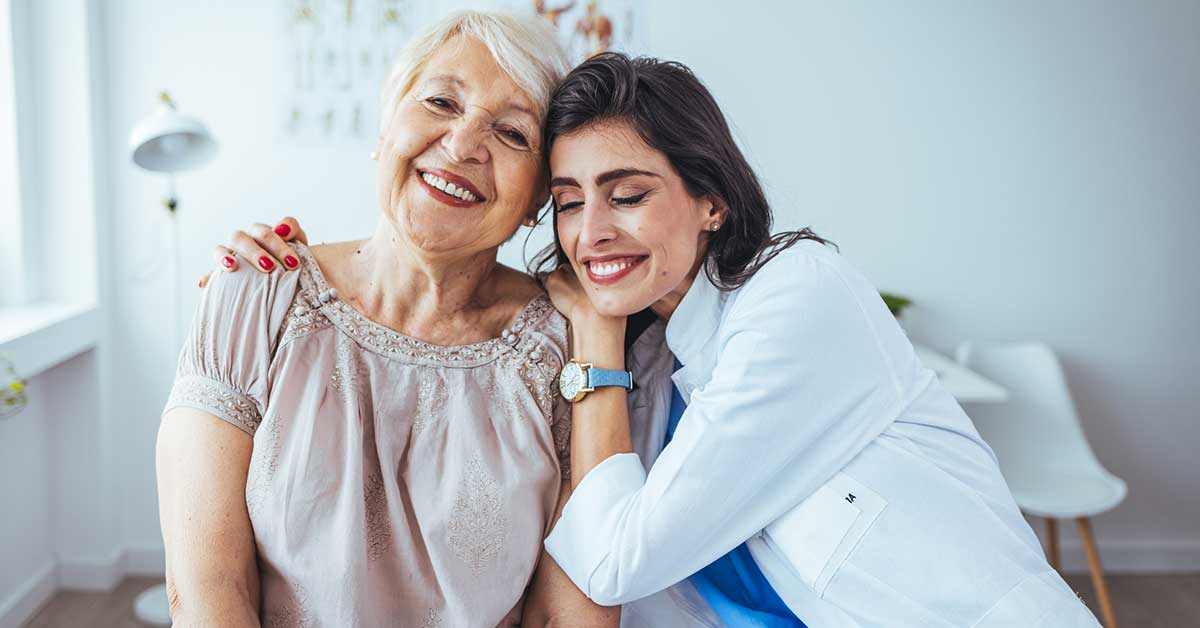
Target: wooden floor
x,y
1141,602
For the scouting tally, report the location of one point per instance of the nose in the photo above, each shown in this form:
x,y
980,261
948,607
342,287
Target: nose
x,y
597,227
464,140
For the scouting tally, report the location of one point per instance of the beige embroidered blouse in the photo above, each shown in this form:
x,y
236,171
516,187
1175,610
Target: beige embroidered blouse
x,y
393,482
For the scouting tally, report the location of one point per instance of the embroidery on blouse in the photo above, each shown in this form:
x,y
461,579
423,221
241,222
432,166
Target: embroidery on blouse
x,y
434,620
477,524
303,320
502,389
379,532
223,401
290,613
264,464
349,374
431,398
379,339
540,373
560,428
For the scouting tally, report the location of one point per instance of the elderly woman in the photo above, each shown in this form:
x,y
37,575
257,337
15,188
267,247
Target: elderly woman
x,y
373,439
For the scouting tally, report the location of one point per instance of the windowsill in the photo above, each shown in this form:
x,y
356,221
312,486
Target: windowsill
x,y
40,336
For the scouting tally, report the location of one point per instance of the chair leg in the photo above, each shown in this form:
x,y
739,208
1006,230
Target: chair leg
x,y
1093,558
1052,543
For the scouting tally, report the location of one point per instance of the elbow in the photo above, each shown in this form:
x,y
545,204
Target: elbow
x,y
608,587
606,598
174,604
613,598
212,604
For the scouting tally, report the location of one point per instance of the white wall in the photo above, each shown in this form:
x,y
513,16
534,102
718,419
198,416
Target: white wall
x,y
1021,171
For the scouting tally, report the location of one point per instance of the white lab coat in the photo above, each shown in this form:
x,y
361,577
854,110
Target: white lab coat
x,y
814,435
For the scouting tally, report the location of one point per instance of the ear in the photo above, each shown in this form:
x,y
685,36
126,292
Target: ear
x,y
531,217
717,209
715,214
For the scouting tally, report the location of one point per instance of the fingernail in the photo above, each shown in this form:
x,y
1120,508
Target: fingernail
x,y
266,263
227,261
282,230
291,261
200,284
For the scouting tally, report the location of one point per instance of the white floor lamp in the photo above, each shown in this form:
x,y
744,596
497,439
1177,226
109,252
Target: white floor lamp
x,y
169,142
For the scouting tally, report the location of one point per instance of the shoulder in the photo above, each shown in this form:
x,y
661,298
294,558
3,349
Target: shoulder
x,y
807,281
247,304
799,270
550,330
802,264
515,286
247,288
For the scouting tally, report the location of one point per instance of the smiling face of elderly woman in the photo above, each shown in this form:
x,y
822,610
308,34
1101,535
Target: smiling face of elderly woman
x,y
460,157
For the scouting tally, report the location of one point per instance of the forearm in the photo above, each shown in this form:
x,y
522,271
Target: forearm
x,y
553,601
600,421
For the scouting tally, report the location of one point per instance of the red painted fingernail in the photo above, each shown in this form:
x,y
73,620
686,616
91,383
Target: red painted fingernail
x,y
291,261
227,261
200,284
266,263
282,230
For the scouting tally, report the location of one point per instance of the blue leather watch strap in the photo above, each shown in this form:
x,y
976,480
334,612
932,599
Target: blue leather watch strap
x,y
607,377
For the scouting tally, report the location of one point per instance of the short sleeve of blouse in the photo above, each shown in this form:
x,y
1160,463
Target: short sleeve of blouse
x,y
223,367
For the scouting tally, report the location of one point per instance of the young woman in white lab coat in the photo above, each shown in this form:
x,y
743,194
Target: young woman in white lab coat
x,y
813,473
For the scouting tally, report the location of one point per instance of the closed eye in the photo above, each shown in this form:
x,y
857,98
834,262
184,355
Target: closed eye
x,y
515,136
566,207
629,200
444,104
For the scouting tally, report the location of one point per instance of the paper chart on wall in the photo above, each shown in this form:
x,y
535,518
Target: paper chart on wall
x,y
340,51
339,54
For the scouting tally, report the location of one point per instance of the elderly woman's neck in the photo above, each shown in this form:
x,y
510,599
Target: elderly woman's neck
x,y
391,271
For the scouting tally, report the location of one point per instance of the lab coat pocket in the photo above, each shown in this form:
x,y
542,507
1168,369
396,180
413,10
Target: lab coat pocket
x,y
816,537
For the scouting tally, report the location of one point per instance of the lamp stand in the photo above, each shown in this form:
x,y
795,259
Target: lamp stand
x,y
151,605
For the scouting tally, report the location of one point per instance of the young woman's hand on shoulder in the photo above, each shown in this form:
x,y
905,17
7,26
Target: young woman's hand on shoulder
x,y
266,247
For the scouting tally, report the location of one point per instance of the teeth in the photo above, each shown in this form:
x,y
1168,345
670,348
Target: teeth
x,y
449,188
608,268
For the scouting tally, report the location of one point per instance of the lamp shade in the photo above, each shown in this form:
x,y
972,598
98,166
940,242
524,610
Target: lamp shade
x,y
169,141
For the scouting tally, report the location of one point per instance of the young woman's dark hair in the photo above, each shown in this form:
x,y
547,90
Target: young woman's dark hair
x,y
674,113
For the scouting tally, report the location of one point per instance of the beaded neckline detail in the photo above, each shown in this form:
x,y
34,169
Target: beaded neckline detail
x,y
315,294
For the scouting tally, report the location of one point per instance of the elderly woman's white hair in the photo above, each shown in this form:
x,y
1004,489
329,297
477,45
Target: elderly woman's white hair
x,y
525,47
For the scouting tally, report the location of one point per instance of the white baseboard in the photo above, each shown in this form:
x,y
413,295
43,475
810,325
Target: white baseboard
x,y
1134,557
105,574
146,560
29,597
92,574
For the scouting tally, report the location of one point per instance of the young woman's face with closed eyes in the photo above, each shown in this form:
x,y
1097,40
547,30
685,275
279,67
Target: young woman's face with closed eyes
x,y
626,222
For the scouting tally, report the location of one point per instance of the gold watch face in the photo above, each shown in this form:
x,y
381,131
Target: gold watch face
x,y
570,381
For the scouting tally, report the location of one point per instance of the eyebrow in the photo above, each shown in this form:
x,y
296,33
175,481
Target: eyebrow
x,y
447,78
604,177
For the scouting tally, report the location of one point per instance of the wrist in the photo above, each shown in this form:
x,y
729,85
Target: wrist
x,y
600,341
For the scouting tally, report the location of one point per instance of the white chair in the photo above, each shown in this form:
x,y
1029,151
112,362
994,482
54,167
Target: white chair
x,y
1043,453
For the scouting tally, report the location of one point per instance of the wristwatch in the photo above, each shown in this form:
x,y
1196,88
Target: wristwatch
x,y
577,379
